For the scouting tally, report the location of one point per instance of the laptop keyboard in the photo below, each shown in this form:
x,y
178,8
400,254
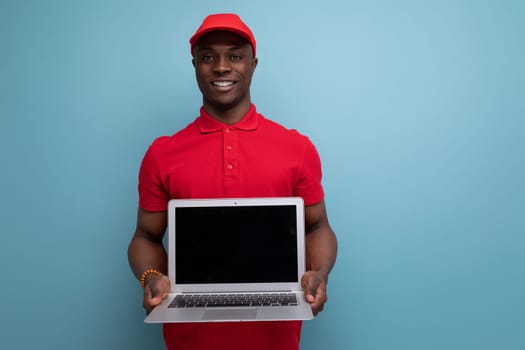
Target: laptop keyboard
x,y
231,299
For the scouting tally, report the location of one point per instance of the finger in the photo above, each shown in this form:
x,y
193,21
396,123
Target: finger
x,y
146,302
311,287
155,292
150,303
320,299
315,291
159,291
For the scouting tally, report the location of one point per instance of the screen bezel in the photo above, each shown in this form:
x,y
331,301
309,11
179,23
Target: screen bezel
x,y
236,287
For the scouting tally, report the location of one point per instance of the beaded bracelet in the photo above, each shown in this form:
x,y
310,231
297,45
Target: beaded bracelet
x,y
146,273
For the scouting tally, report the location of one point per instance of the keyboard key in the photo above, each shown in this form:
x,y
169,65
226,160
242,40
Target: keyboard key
x,y
234,300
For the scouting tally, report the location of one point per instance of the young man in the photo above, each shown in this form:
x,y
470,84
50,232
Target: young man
x,y
229,151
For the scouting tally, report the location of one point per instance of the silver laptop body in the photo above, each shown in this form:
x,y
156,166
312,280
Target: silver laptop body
x,y
248,252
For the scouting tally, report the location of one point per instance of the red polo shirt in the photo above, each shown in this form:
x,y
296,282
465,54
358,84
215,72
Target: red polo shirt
x,y
208,159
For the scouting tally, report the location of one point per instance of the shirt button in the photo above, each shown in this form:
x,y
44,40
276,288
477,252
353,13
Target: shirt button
x,y
229,148
229,167
227,130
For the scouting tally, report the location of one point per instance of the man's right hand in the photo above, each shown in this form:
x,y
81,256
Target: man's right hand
x,y
156,288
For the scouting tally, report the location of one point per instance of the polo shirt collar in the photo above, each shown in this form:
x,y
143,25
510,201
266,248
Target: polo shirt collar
x,y
208,124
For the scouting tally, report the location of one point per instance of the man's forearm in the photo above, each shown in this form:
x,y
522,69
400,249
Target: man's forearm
x,y
144,254
321,250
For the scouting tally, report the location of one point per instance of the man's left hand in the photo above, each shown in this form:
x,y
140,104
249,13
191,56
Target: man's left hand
x,y
314,285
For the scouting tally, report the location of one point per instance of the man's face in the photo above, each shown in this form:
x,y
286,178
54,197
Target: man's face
x,y
224,66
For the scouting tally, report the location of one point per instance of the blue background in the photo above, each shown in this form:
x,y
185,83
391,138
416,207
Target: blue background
x,y
417,109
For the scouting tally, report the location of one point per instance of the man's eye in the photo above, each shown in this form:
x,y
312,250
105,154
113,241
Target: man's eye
x,y
235,58
207,58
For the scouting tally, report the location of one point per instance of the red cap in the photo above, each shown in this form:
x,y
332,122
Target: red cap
x,y
223,21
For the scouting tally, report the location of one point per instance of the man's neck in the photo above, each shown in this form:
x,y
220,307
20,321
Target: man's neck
x,y
227,115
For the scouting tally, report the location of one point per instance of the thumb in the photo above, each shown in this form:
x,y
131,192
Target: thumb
x,y
156,293
311,291
310,288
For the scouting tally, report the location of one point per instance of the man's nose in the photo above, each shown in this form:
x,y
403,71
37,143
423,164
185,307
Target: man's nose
x,y
222,64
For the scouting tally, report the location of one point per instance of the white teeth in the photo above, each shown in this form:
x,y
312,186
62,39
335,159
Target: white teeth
x,y
222,83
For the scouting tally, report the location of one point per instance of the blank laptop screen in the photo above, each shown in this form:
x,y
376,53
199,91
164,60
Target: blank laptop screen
x,y
241,244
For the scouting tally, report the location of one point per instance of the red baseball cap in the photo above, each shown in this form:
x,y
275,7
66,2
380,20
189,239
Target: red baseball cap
x,y
223,21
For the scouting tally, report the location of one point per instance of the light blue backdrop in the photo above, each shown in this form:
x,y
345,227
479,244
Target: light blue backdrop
x,y
417,109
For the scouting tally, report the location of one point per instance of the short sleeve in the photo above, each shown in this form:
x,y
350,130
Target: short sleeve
x,y
309,185
153,196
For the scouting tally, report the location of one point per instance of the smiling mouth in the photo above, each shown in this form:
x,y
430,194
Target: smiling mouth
x,y
224,83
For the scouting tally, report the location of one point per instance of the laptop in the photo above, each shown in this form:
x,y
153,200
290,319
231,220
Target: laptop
x,y
235,260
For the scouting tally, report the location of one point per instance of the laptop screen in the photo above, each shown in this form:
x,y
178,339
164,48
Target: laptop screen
x,y
241,244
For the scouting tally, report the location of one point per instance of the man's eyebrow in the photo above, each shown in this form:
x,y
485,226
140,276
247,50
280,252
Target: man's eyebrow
x,y
203,48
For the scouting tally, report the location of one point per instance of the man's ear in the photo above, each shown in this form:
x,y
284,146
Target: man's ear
x,y
193,62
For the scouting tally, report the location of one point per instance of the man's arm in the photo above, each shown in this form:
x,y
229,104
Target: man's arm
x,y
146,251
321,251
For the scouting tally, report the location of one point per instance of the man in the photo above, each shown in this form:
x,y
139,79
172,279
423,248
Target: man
x,y
229,151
